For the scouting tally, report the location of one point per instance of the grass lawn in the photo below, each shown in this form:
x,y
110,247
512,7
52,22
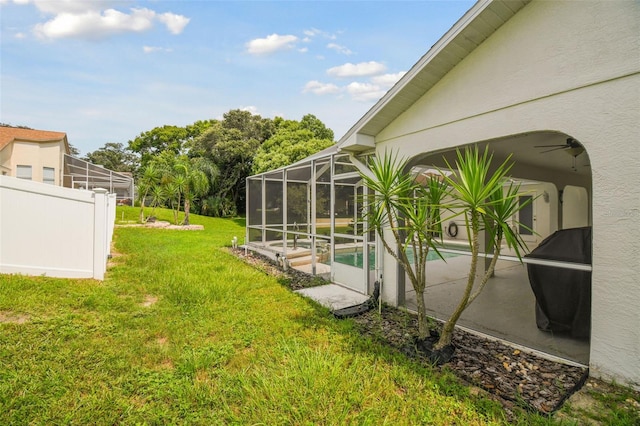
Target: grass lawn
x,y
182,332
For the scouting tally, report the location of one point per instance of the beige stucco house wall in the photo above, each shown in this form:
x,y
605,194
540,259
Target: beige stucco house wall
x,y
42,151
507,71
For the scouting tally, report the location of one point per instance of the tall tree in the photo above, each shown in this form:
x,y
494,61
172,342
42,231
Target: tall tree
x,y
317,127
75,152
157,140
252,126
292,142
114,157
231,145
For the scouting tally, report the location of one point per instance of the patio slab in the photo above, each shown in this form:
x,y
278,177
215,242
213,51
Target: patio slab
x,y
504,310
333,296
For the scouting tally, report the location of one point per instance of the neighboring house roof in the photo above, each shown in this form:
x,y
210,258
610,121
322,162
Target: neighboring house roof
x,y
480,22
11,134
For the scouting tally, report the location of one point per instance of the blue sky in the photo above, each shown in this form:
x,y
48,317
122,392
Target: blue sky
x,y
105,71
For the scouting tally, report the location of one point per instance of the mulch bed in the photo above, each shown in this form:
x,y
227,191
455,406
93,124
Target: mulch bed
x,y
513,377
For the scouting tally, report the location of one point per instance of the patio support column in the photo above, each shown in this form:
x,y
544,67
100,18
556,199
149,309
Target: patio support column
x,y
264,210
285,208
312,216
332,212
365,236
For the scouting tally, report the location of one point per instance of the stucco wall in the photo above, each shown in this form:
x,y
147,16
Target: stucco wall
x,y
570,67
37,155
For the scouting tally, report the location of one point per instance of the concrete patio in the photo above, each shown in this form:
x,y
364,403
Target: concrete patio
x,y
504,310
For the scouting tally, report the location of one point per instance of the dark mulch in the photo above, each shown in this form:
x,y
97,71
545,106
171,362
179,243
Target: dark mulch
x,y
511,376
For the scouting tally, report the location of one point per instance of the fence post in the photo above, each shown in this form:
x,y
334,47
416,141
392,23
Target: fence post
x,y
111,220
99,233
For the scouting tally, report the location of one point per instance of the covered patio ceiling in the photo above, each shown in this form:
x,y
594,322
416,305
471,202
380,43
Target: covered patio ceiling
x,y
531,160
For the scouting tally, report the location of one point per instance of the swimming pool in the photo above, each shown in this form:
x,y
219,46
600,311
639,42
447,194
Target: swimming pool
x,y
355,258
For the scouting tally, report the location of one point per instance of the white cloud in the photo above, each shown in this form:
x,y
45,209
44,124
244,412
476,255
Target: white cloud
x,y
303,50
72,6
319,88
387,80
357,70
96,19
153,49
271,43
312,32
92,24
251,108
365,92
14,1
175,23
339,49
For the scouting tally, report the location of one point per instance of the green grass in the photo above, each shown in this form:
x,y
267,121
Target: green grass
x,y
183,332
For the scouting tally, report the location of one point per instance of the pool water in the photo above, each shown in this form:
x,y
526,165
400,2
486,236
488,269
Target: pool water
x,y
355,258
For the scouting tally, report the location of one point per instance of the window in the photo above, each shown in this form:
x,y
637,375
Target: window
x,y
49,175
23,172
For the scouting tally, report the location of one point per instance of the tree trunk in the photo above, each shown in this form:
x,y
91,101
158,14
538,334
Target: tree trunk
x,y
187,207
142,210
450,325
423,329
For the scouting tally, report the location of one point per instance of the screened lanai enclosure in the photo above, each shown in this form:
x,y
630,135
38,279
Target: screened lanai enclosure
x,y
310,216
80,174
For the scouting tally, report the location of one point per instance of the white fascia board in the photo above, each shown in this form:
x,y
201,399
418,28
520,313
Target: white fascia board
x,y
358,142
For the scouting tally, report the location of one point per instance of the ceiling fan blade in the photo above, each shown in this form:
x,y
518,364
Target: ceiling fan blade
x,y
554,149
550,146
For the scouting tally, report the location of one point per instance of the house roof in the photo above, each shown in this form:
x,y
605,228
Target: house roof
x,y
474,27
11,134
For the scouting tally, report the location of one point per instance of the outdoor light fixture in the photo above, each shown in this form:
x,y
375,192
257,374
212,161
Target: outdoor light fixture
x,y
575,151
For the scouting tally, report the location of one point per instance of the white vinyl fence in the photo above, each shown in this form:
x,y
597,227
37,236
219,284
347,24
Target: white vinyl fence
x,y
54,231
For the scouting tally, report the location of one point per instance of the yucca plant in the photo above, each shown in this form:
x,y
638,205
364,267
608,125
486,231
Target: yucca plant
x,y
191,182
158,196
488,205
149,179
411,211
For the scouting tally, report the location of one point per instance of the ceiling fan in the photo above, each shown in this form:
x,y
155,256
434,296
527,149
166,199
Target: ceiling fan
x,y
572,146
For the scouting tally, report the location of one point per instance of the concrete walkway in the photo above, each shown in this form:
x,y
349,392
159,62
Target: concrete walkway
x,y
333,296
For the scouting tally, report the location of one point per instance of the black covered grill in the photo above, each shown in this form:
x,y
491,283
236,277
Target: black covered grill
x,y
563,296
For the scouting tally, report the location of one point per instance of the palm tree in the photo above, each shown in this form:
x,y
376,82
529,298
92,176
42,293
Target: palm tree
x,y
150,178
158,196
411,212
175,189
191,182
